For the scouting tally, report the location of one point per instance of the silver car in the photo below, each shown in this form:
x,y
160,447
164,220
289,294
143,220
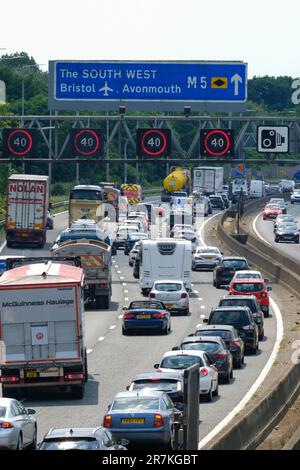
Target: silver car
x,y
206,257
18,428
173,294
133,253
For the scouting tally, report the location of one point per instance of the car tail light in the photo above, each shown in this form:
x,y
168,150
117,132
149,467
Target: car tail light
x,y
234,344
74,376
107,422
155,380
184,295
220,356
9,379
203,372
128,315
158,421
159,315
152,295
6,425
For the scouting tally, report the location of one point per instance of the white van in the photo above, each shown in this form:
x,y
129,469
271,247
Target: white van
x,y
164,258
257,189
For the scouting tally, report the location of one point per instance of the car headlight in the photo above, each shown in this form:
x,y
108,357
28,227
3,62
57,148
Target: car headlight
x,y
296,233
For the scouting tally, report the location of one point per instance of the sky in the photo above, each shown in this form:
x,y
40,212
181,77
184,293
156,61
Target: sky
x,y
263,33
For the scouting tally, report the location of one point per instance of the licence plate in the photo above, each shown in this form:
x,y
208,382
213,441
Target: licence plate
x,y
169,305
143,316
24,235
132,420
50,372
208,257
31,374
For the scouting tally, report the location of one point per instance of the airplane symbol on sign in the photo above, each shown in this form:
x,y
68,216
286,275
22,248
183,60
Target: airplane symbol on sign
x,y
105,88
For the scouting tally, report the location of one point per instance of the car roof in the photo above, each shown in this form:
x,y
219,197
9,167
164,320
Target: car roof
x,y
158,375
225,258
247,280
207,247
239,297
247,271
71,432
6,401
180,352
169,281
230,309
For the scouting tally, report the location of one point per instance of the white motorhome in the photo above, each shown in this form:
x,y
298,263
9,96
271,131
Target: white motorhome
x,y
257,189
164,258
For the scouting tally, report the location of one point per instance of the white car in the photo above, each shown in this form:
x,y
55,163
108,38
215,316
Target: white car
x,y
18,427
247,274
295,196
122,234
133,253
179,228
206,257
133,223
173,294
182,359
187,234
141,216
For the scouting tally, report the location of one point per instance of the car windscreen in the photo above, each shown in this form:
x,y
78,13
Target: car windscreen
x,y
287,226
166,385
226,335
234,263
136,403
234,317
272,206
86,195
238,303
167,287
2,411
208,347
145,304
248,286
247,275
70,444
180,362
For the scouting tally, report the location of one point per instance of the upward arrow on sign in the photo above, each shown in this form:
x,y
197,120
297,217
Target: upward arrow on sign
x,y
236,79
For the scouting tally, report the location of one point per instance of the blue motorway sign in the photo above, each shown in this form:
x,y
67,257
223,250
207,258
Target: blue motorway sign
x,y
147,85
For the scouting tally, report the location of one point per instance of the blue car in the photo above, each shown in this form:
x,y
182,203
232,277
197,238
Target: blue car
x,y
146,319
143,417
78,233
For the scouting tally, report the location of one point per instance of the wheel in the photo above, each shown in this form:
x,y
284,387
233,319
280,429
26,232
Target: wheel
x,y
218,286
227,378
261,336
267,313
145,292
124,331
165,330
169,330
297,240
193,268
209,395
276,240
130,264
238,364
77,391
85,367
231,374
33,445
20,442
216,392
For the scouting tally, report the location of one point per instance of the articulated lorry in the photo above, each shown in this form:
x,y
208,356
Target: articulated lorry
x,y
26,210
42,335
95,258
208,180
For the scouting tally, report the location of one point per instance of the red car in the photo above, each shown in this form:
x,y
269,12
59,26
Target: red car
x,y
271,211
255,287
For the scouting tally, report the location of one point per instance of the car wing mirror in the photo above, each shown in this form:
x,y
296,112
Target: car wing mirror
x,y
128,386
175,348
226,287
156,366
205,320
125,307
31,411
269,288
267,281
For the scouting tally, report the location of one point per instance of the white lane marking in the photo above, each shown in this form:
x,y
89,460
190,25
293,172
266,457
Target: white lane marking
x,y
125,291
126,298
112,327
257,383
89,351
122,277
202,307
201,239
116,266
120,316
119,272
257,232
101,338
124,283
2,246
202,316
196,292
113,260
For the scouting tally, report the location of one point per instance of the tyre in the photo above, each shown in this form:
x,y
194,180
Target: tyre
x,y
165,330
33,445
77,391
9,244
216,392
124,331
217,285
145,292
238,364
226,379
20,442
193,268
130,264
276,240
261,336
297,240
6,393
231,374
267,313
106,302
86,374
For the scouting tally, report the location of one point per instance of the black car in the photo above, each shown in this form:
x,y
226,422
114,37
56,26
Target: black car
x,y
288,232
242,319
231,338
248,301
225,270
217,202
216,350
169,382
81,439
131,241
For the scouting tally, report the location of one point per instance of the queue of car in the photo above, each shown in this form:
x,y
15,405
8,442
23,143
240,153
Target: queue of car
x,y
285,226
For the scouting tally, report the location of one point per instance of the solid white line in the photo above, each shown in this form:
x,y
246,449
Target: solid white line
x,y
112,327
89,351
257,232
2,246
116,266
257,383
101,338
120,316
126,298
201,239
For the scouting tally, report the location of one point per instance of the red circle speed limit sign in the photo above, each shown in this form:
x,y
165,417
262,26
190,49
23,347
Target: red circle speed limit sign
x,y
217,142
39,336
153,142
18,142
86,142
